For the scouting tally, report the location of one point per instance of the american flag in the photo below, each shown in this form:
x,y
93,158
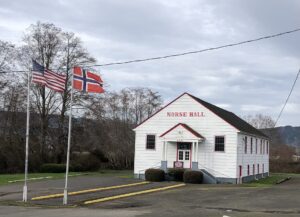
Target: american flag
x,y
45,77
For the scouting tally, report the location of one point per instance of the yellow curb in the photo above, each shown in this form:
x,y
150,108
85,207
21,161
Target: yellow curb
x,y
132,194
88,191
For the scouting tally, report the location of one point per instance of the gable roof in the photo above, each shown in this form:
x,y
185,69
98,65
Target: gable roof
x,y
230,118
195,133
227,116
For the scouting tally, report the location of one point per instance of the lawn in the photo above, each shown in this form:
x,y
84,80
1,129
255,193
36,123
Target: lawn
x,y
6,179
270,180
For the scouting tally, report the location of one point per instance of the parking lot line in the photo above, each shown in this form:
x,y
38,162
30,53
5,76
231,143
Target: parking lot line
x,y
88,191
132,194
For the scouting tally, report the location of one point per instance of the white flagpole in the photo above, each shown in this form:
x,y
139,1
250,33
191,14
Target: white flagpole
x,y
27,140
65,200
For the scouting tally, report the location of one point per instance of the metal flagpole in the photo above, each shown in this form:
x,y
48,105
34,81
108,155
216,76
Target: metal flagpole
x,y
65,200
27,140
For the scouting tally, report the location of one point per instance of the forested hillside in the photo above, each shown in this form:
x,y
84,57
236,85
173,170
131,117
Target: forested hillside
x,y
287,135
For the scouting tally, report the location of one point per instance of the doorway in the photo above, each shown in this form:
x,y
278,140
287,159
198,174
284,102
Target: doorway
x,y
184,153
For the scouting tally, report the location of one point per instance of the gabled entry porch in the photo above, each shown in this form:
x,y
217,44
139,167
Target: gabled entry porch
x,y
180,147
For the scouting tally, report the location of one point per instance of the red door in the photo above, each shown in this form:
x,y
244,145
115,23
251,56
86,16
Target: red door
x,y
241,172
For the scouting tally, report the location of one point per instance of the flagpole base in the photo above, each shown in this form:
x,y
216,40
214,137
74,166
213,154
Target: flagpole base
x,y
25,193
65,200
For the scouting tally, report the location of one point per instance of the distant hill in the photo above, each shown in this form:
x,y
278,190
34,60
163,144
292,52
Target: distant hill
x,y
287,135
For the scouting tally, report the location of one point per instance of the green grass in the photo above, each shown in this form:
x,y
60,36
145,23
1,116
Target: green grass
x,y
270,180
117,173
6,179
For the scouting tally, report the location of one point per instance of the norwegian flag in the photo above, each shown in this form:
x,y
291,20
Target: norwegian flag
x,y
45,77
87,81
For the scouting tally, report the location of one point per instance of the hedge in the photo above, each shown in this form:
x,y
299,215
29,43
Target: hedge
x,y
155,175
53,168
194,177
176,174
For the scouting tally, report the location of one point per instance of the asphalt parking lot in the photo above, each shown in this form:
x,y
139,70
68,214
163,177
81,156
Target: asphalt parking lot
x,y
188,200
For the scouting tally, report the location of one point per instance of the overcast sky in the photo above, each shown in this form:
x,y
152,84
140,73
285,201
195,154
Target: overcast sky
x,y
248,79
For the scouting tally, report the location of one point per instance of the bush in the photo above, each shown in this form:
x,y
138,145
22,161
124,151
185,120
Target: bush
x,y
155,175
176,174
195,177
84,162
53,168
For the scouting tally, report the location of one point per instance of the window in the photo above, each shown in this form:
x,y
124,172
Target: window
x,y
251,147
184,145
219,143
248,170
180,155
263,168
246,141
256,146
257,168
267,147
253,169
260,146
187,155
150,143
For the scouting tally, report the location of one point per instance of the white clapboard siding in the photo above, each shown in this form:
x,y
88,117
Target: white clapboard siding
x,y
209,126
245,159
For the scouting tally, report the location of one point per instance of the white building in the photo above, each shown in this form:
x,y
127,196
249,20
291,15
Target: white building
x,y
191,133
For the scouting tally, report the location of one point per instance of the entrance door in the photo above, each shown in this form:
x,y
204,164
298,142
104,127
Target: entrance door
x,y
184,154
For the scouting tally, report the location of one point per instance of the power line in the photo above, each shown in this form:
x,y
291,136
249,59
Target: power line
x,y
3,72
287,99
185,53
197,51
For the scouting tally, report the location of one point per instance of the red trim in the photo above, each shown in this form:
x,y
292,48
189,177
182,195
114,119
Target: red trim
x,y
241,172
212,111
186,127
177,152
191,155
193,99
174,101
159,110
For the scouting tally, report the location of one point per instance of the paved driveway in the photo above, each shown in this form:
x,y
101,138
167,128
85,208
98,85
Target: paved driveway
x,y
190,200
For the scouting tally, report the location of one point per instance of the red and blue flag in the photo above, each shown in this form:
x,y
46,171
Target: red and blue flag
x,y
87,81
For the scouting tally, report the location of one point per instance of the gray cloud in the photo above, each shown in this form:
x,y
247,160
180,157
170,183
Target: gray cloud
x,y
247,79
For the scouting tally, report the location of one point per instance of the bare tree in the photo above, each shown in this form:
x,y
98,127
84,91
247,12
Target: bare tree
x,y
72,53
260,121
7,56
43,43
60,51
115,114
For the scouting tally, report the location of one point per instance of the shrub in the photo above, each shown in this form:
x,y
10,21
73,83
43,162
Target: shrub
x,y
155,175
195,177
53,168
176,174
84,162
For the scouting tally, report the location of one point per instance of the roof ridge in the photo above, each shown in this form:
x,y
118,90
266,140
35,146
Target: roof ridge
x,y
209,103
234,120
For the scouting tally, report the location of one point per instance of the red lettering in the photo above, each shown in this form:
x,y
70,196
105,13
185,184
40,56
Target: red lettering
x,y
185,114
